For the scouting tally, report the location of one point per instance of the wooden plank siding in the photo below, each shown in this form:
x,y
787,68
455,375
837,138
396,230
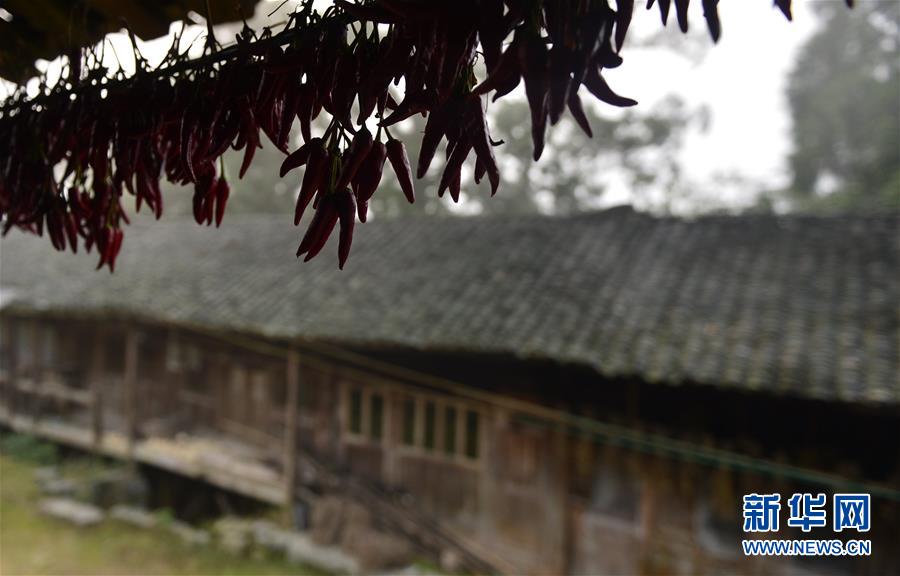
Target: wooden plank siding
x,y
381,430
143,385
500,474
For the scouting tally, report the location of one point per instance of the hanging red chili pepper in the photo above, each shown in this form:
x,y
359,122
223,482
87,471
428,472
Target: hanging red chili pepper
x,y
191,112
396,153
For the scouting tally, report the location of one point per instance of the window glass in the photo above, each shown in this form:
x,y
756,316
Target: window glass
x,y
472,434
193,358
376,416
615,494
304,394
450,430
356,411
430,425
409,421
237,394
581,463
49,337
259,394
309,389
173,353
25,343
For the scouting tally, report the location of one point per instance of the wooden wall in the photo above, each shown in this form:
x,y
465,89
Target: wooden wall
x,y
552,499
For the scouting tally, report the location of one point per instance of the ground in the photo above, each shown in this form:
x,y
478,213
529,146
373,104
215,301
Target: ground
x,y
34,544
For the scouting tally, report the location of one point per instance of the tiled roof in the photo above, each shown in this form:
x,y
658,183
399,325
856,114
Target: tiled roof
x,y
802,306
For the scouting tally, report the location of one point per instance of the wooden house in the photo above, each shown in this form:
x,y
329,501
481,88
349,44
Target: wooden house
x,y
591,394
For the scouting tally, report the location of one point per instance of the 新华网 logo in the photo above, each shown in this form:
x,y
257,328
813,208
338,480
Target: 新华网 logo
x,y
806,512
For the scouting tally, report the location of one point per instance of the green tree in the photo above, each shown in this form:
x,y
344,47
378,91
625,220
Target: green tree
x,y
638,148
844,96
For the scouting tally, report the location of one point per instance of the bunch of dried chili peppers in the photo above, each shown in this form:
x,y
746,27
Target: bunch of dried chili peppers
x,y
68,157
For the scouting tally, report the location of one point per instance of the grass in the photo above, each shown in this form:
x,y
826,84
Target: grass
x,y
31,543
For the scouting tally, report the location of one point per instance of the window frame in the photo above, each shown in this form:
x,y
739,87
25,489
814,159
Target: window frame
x,y
401,398
367,392
438,452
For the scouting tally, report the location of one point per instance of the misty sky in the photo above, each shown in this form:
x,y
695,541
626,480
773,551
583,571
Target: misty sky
x,y
741,80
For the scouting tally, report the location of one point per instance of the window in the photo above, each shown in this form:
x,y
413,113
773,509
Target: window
x,y
5,342
25,344
48,358
430,439
304,394
716,533
115,352
173,353
450,430
259,395
716,516
237,396
435,425
365,414
441,427
193,359
471,434
356,411
190,364
376,416
581,465
409,421
616,492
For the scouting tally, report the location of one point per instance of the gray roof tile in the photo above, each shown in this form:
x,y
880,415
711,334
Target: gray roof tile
x,y
793,305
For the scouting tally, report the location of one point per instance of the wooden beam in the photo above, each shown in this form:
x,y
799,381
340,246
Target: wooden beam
x,y
290,433
96,375
494,430
37,372
555,484
365,393
130,389
388,441
562,444
460,440
13,367
338,394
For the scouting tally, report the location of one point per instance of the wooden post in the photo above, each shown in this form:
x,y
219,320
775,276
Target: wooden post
x,y
130,388
218,374
13,369
460,440
37,374
649,507
175,373
556,502
494,428
565,450
290,434
97,372
337,389
388,452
